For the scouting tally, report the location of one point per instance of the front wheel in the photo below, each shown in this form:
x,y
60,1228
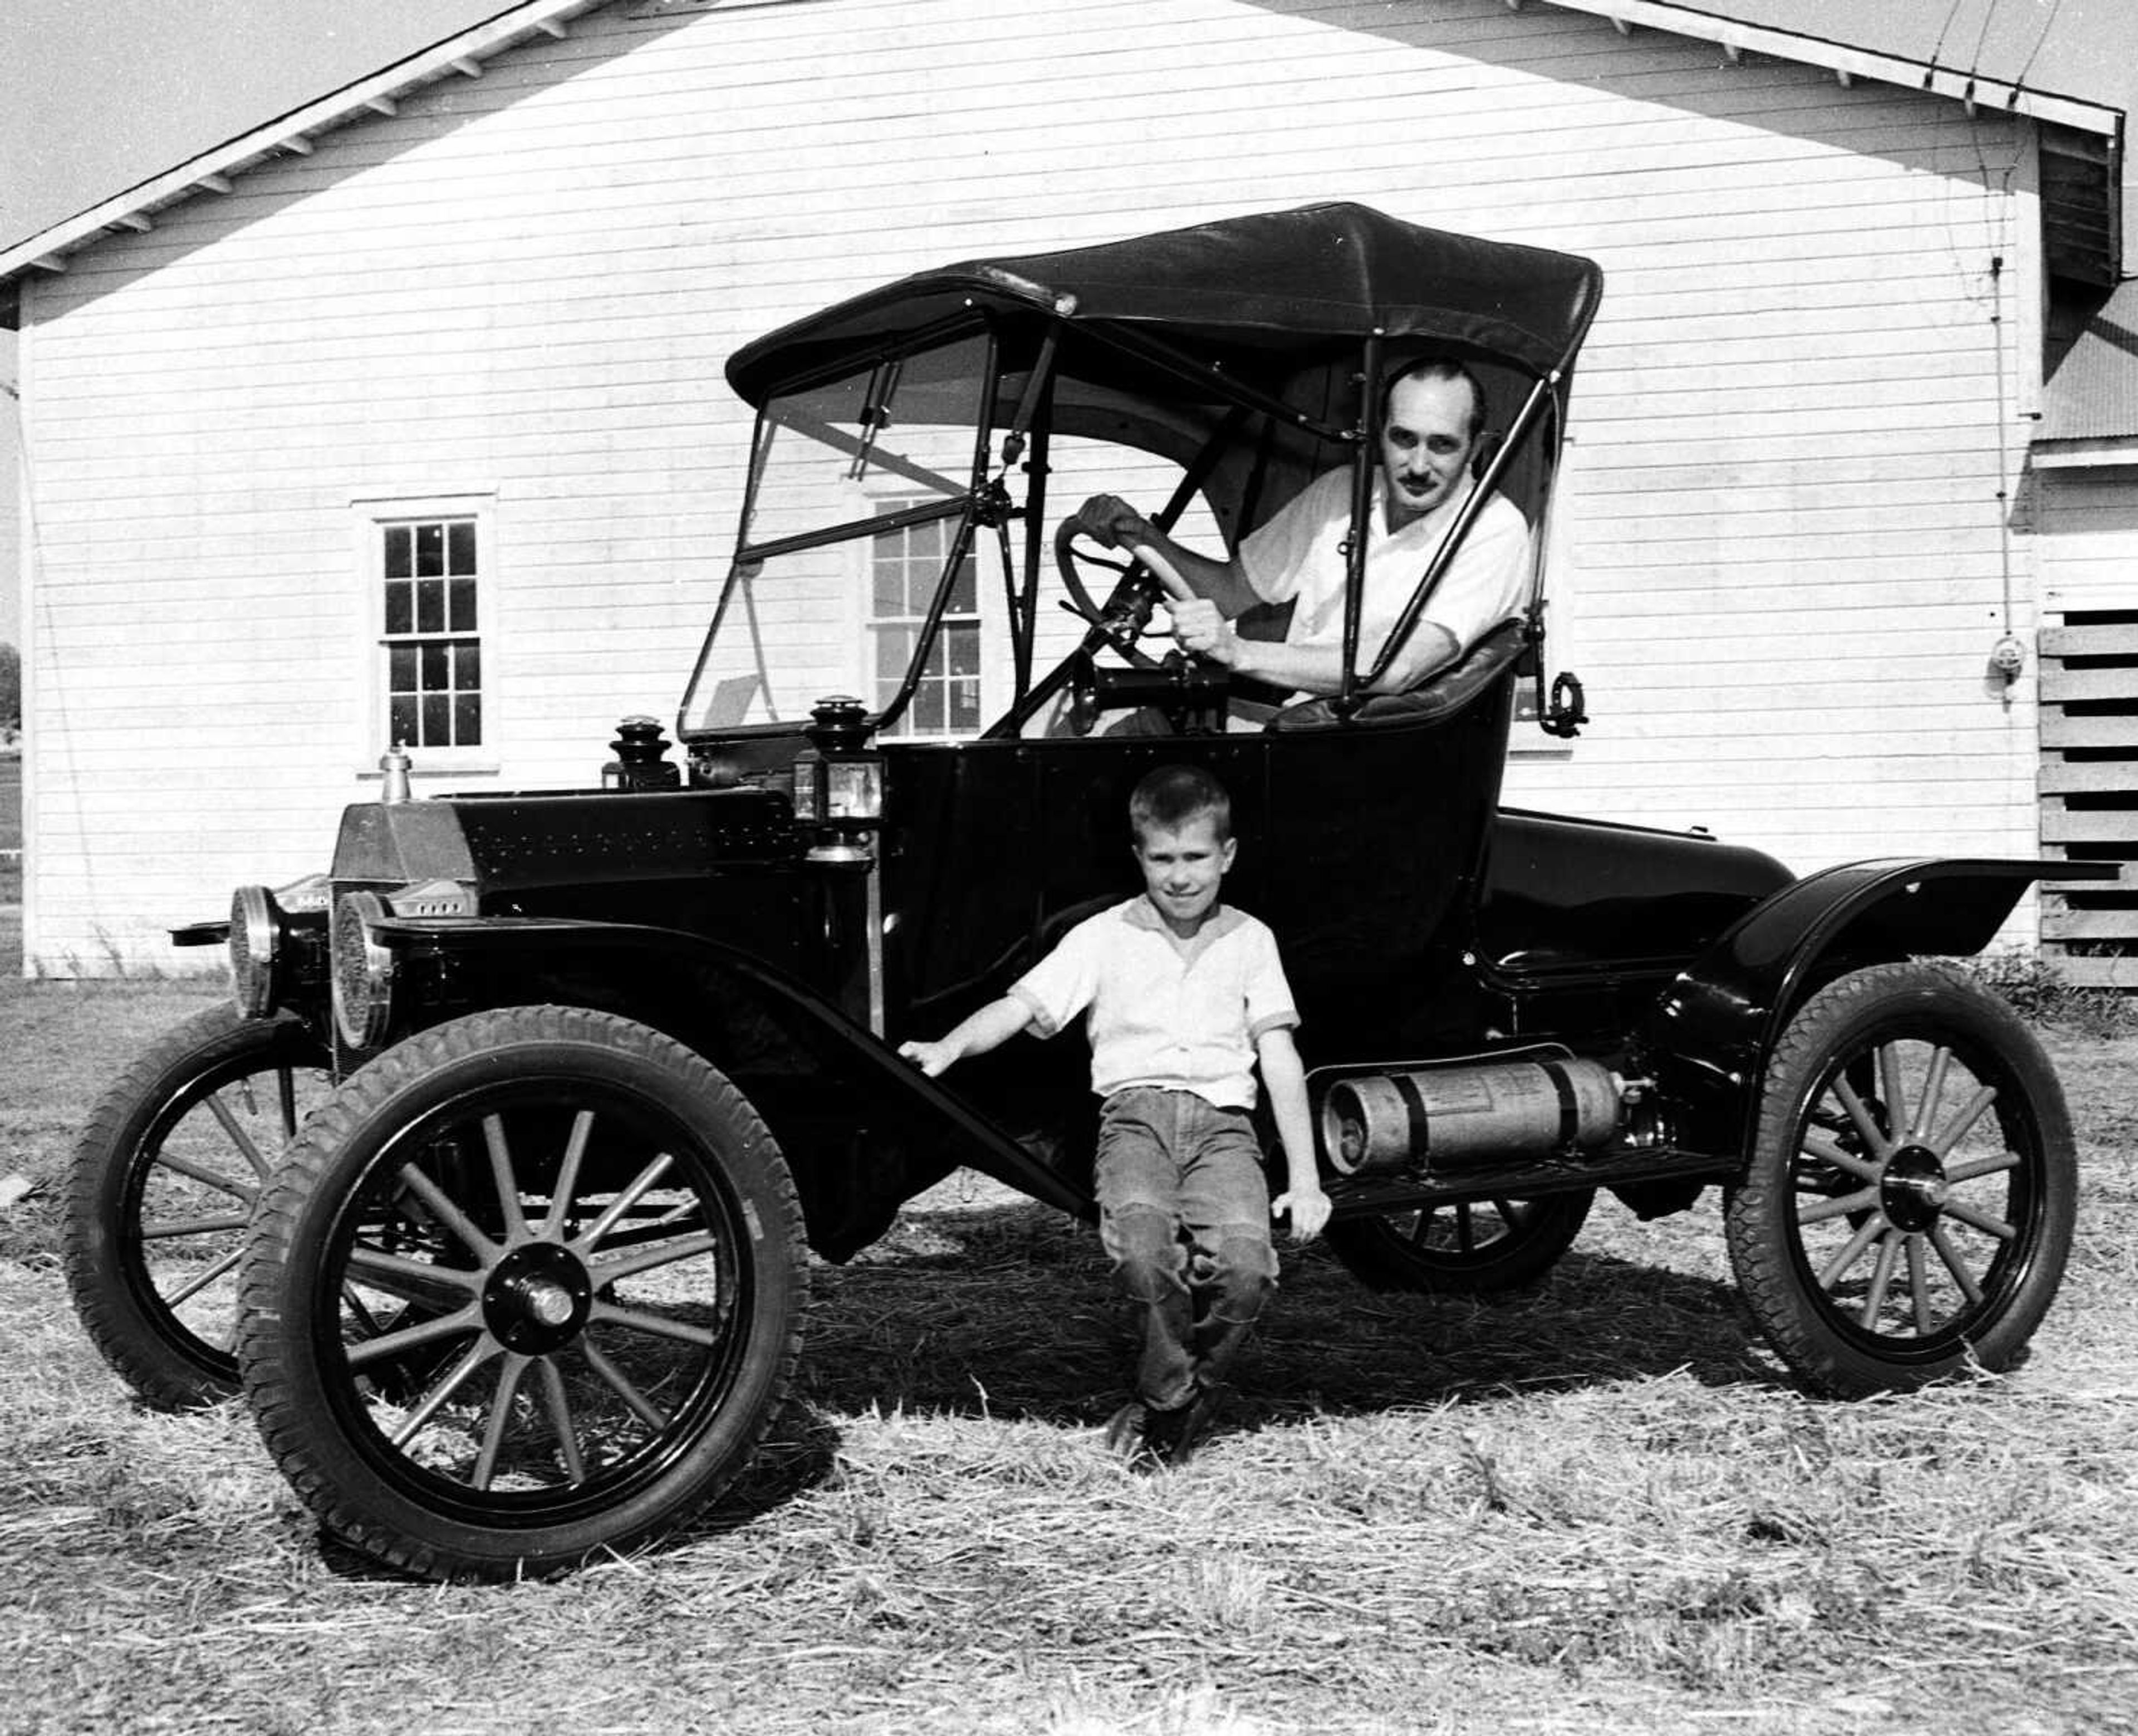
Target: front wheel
x,y
527,1290
1463,1248
1908,1208
160,1186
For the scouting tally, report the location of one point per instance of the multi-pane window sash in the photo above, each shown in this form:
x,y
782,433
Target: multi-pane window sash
x,y
434,654
905,566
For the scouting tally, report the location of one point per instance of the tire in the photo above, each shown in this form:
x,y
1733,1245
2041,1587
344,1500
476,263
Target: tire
x,y
1469,1248
527,1291
159,1188
1891,1230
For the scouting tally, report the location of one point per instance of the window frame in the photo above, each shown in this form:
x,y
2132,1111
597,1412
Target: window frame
x,y
372,515
993,673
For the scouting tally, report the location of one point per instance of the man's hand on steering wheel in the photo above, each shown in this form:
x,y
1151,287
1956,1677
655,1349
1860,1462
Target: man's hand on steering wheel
x,y
1112,522
1199,629
1189,686
1136,595
1202,631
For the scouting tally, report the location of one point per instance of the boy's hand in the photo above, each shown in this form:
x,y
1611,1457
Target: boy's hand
x,y
931,1058
1309,1208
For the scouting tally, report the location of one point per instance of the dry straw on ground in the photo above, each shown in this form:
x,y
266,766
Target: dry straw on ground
x,y
1596,1507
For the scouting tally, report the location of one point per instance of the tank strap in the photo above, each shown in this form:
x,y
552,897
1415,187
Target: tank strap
x,y
1413,1103
1570,1109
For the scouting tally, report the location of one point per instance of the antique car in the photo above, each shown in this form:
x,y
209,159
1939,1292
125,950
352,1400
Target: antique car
x,y
494,1184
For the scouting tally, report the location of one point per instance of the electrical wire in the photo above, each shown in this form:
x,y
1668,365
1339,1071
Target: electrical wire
x,y
2048,24
1937,50
1981,36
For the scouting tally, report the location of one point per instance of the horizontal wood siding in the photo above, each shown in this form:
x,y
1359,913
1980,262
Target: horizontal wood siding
x,y
2089,542
1789,551
2089,681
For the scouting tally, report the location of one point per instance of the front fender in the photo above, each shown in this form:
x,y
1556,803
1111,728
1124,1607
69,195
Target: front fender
x,y
971,1137
1709,1037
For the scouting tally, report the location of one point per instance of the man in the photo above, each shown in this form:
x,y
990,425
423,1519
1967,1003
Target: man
x,y
1432,416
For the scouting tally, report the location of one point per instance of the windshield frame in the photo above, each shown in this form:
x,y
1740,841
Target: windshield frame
x,y
939,336
749,559
1017,399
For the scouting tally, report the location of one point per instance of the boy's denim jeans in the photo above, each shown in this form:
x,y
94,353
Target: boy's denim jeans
x,y
1184,1212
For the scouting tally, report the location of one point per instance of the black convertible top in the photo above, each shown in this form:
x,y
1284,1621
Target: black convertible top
x,y
1285,282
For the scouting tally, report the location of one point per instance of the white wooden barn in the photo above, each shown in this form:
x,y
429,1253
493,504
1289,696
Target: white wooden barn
x,y
1852,414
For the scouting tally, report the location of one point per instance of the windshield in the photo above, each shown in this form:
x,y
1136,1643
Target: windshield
x,y
903,428
866,569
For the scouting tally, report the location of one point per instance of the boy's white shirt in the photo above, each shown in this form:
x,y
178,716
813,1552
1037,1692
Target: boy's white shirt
x,y
1178,1015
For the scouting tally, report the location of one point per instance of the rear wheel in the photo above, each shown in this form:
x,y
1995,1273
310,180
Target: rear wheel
x,y
1465,1248
160,1186
527,1291
1908,1208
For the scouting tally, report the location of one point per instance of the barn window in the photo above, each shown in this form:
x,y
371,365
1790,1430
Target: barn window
x,y
429,613
426,621
905,566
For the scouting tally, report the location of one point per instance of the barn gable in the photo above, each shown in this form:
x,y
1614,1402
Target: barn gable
x,y
489,313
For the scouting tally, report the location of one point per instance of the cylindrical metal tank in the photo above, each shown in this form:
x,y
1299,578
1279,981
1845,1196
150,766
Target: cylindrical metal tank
x,y
1468,1113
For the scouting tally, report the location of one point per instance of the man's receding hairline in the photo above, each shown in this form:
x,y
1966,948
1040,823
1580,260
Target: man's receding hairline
x,y
1438,368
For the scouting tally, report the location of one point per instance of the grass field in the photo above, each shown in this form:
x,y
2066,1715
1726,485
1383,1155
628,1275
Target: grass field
x,y
1594,1508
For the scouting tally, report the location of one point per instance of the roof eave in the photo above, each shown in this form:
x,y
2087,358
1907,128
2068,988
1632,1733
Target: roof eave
x,y
2098,452
1737,39
289,135
464,54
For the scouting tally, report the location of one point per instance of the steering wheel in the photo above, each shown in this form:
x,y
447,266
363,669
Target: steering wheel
x,y
1127,611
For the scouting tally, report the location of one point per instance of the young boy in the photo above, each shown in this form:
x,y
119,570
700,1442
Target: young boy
x,y
1184,997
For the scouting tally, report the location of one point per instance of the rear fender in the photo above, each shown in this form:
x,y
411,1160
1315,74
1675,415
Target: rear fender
x,y
630,952
1708,1038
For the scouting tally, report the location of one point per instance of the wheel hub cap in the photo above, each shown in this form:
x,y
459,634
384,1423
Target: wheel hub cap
x,y
1914,1190
537,1299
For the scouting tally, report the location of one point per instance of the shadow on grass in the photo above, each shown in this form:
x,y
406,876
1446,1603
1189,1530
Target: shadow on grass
x,y
1009,1311
799,1453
